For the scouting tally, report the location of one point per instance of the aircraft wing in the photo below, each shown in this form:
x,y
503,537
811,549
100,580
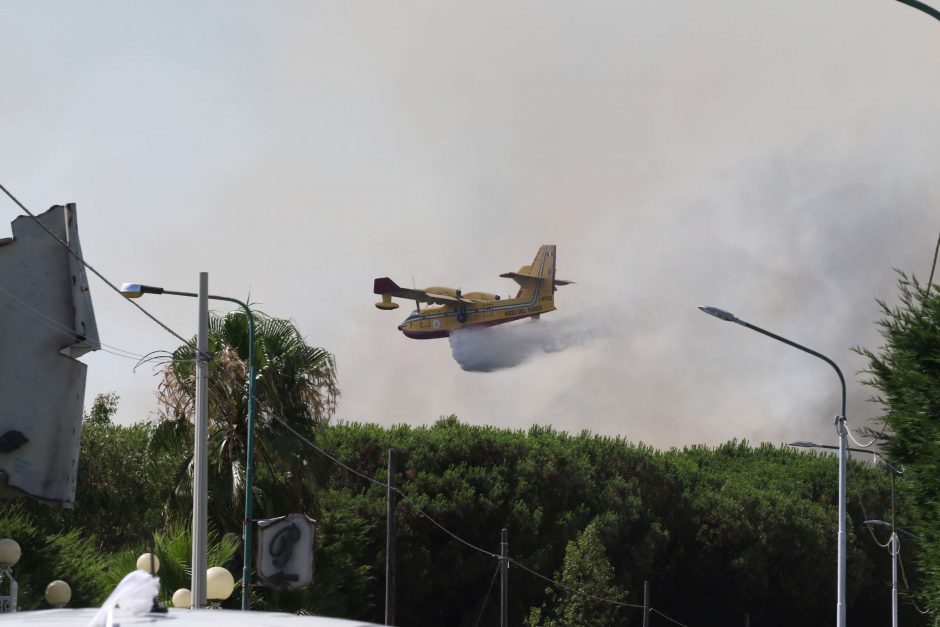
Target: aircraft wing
x,y
523,278
385,286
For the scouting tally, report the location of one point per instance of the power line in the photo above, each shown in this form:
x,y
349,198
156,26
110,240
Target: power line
x,y
70,333
88,265
908,587
570,589
487,597
397,490
859,444
407,499
870,530
671,620
65,330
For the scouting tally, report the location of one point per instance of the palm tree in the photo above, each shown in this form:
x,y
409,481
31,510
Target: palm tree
x,y
295,393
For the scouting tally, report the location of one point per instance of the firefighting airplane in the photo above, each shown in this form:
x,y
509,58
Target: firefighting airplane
x,y
456,310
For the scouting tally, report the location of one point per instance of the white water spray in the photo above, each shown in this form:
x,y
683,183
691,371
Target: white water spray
x,y
485,349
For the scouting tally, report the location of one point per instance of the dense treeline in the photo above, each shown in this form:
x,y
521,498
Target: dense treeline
x,y
718,532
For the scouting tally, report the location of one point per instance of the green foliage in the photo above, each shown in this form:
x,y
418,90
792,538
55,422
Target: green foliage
x,y
173,547
718,532
118,472
906,373
76,559
102,409
295,392
586,596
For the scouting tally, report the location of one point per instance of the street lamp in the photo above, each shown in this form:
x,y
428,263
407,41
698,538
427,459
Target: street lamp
x,y
895,543
182,598
894,538
58,593
136,290
721,314
220,585
9,555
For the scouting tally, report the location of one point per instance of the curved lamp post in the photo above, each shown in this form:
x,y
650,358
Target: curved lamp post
x,y
920,6
136,290
721,314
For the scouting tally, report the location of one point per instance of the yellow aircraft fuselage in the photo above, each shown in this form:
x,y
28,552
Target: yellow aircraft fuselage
x,y
453,310
434,322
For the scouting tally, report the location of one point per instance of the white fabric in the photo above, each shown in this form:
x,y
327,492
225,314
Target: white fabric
x,y
135,593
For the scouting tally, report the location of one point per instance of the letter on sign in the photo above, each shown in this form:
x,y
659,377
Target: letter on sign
x,y
285,551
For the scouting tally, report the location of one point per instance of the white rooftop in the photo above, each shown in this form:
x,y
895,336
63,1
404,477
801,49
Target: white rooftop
x,y
175,618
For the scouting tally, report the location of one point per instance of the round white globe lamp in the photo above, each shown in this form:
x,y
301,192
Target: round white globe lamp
x,y
182,598
58,593
9,552
143,563
9,555
219,585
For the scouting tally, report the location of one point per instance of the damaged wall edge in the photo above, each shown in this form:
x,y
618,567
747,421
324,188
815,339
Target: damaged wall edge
x,y
46,321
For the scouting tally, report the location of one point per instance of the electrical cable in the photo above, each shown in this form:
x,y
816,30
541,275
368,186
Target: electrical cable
x,y
653,609
487,597
908,587
933,267
859,444
570,589
103,347
88,265
873,441
404,497
407,499
861,504
874,538
65,330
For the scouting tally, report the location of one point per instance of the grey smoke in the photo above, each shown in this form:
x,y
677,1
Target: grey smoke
x,y
487,349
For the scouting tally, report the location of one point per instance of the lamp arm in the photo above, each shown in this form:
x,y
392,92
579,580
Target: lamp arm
x,y
920,6
805,350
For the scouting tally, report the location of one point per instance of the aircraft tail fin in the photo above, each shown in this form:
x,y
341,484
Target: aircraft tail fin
x,y
539,276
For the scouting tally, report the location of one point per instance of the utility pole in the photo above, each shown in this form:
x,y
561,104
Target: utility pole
x,y
390,542
646,603
504,578
200,449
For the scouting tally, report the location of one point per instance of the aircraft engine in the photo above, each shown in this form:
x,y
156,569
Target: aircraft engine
x,y
481,296
387,302
443,291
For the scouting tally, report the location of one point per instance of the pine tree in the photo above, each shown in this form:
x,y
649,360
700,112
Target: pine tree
x,y
906,373
589,597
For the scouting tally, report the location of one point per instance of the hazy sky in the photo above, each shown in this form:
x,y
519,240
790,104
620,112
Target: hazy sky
x,y
775,159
